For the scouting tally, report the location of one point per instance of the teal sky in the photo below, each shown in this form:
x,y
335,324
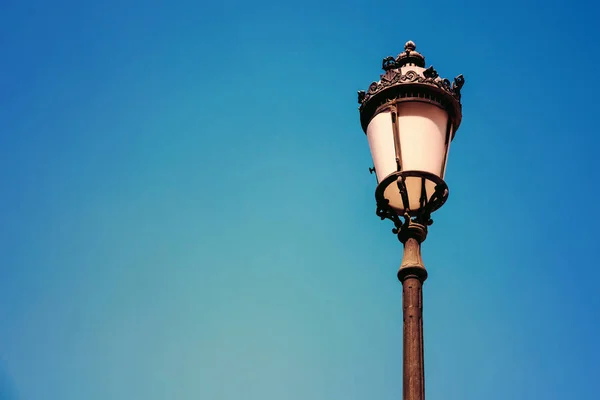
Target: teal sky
x,y
187,213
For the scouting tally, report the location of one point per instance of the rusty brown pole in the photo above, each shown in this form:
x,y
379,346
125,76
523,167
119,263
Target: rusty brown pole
x,y
412,274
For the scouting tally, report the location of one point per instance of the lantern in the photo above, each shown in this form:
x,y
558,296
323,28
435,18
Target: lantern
x,y
410,117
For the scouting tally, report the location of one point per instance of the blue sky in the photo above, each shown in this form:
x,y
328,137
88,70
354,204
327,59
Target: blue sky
x,y
187,211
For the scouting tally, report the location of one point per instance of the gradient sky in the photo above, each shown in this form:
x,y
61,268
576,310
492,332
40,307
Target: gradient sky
x,y
187,213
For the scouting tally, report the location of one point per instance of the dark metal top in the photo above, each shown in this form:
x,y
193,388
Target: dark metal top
x,y
410,56
407,79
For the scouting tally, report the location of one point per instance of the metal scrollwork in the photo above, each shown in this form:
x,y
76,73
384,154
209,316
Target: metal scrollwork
x,y
412,218
384,211
389,63
374,87
388,76
401,228
361,96
430,77
458,83
445,84
410,76
430,73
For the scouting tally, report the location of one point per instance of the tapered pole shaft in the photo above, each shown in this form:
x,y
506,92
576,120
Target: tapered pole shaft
x,y
414,372
412,274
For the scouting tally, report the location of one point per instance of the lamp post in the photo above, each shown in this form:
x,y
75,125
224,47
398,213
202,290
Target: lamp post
x,y
410,116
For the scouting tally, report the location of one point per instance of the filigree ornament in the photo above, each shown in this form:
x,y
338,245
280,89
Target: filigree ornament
x,y
361,96
389,63
458,83
430,73
394,77
385,211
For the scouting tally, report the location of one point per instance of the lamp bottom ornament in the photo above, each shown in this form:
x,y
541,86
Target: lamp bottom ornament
x,y
424,191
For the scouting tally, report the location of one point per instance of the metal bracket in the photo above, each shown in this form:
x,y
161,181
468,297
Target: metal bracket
x,y
415,225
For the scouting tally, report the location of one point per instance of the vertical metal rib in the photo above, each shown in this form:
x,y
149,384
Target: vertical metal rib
x,y
449,129
423,199
403,193
398,150
396,133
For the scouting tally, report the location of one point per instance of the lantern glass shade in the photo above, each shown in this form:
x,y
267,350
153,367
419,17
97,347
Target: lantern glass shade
x,y
410,136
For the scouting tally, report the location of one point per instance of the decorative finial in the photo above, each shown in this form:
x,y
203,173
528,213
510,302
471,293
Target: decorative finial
x,y
410,56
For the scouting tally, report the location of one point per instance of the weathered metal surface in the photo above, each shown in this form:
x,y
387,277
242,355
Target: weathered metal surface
x,y
412,274
407,79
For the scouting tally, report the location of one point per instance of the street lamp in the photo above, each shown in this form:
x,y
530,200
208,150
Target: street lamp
x,y
410,117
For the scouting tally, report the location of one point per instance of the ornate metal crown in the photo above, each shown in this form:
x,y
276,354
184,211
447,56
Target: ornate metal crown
x,y
406,79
